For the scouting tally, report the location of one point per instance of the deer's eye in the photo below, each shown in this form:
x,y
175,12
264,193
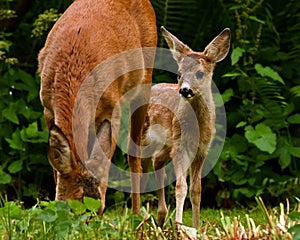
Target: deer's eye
x,y
199,75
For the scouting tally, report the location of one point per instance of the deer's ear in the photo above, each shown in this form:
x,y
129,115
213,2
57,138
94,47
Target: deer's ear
x,y
218,48
178,48
59,153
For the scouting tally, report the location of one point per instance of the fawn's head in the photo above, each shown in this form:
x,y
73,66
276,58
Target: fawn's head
x,y
195,69
74,180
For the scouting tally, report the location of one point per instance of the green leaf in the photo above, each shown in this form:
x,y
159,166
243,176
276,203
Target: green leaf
x,y
15,166
92,204
244,191
32,190
254,18
4,177
10,113
294,119
268,72
296,230
29,113
226,96
235,73
241,124
262,137
16,142
295,216
232,74
284,158
296,90
62,206
236,54
238,178
31,134
47,215
295,151
77,207
26,82
11,210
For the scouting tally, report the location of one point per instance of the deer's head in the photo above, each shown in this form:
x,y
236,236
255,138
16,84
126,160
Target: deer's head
x,y
74,180
195,69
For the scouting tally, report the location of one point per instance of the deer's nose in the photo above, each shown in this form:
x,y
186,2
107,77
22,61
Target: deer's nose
x,y
186,92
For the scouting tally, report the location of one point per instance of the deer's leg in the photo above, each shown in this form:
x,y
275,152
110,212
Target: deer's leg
x,y
162,210
134,152
144,179
108,147
99,161
195,190
159,167
181,187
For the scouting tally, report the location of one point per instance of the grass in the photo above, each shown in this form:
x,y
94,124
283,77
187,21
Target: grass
x,y
75,220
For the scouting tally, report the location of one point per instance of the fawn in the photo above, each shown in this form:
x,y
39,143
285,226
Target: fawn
x,y
85,36
177,138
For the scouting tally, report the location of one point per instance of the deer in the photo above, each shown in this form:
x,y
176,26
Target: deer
x,y
176,137
90,33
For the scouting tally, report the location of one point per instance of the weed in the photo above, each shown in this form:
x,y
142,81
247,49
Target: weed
x,y
76,220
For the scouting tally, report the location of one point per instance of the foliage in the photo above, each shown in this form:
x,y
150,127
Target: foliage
x,y
263,150
44,21
259,83
76,220
22,132
58,220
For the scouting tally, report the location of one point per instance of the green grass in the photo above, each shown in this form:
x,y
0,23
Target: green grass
x,y
75,220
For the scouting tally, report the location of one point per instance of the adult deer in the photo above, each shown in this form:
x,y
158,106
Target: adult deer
x,y
169,131
89,33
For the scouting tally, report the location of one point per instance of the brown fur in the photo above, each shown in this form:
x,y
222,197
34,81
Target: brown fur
x,y
176,121
87,34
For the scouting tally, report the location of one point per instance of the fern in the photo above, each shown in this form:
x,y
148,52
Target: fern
x,y
193,21
178,16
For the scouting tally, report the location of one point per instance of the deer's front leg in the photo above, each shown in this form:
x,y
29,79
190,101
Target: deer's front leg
x,y
195,188
181,187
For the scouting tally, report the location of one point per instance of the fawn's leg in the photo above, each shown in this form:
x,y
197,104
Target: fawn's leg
x,y
160,174
195,189
181,187
144,179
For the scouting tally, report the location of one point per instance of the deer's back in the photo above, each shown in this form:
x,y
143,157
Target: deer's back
x,y
89,32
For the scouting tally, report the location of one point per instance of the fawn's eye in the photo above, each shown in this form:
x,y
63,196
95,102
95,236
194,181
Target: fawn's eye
x,y
199,75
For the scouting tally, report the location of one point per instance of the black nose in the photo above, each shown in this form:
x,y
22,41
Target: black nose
x,y
186,92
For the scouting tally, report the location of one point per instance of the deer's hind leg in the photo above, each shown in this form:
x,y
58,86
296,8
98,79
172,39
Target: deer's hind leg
x,y
159,162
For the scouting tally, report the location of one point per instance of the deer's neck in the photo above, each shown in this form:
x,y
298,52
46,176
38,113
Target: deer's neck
x,y
204,109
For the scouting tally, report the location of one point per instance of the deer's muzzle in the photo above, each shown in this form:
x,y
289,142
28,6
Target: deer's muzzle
x,y
186,92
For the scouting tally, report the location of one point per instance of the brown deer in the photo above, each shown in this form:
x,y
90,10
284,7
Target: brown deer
x,y
172,107
90,33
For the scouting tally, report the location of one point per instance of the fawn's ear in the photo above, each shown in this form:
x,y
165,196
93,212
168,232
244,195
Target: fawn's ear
x,y
218,48
178,48
59,153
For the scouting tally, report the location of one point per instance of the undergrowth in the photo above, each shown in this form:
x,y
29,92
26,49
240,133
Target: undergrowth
x,y
76,220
